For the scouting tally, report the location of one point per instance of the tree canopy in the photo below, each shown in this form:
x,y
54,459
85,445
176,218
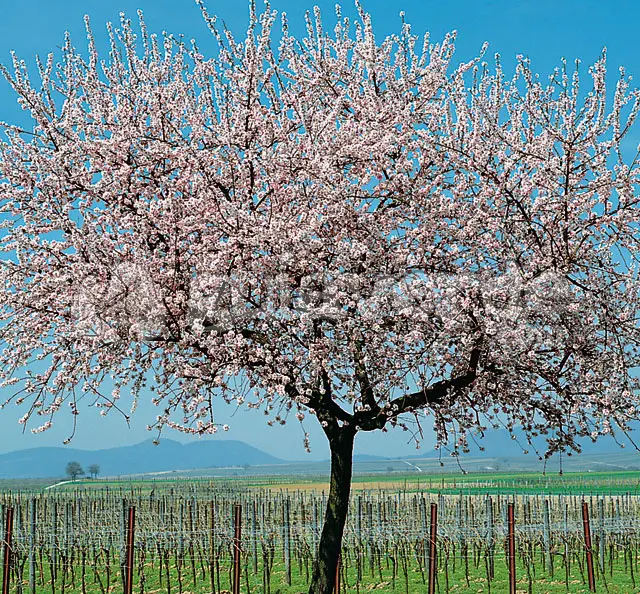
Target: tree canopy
x,y
74,470
329,226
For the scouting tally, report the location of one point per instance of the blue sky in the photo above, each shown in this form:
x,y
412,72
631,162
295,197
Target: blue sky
x,y
544,30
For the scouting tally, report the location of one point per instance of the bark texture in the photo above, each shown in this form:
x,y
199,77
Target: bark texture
x,y
324,568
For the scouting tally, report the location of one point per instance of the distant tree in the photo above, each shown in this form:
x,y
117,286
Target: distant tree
x,y
94,470
74,470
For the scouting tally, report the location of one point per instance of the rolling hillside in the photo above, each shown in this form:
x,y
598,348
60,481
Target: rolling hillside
x,y
141,458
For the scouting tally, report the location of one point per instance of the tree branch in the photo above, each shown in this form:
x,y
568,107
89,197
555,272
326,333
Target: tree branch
x,y
325,408
432,395
367,395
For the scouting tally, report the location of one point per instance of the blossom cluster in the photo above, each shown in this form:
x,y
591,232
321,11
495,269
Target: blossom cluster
x,y
335,226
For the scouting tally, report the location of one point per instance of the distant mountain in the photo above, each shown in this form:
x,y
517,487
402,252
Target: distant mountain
x,y
500,443
144,457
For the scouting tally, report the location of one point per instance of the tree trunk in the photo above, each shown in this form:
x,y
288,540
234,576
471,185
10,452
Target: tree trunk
x,y
324,567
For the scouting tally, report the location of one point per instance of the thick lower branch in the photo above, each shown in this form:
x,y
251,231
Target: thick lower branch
x,y
367,394
433,395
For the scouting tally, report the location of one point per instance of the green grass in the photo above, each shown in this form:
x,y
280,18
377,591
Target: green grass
x,y
454,576
395,567
578,483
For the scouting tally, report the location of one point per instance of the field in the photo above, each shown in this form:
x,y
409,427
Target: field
x,y
476,483
70,538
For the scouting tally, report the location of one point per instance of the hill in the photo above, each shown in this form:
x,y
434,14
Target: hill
x,y
499,443
144,457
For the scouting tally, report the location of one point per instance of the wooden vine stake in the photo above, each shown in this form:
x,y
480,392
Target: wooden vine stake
x,y
131,523
432,548
237,521
6,566
512,548
32,546
587,546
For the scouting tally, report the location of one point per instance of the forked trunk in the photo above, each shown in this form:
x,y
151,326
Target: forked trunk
x,y
324,567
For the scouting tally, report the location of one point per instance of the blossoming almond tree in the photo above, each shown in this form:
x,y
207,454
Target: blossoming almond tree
x,y
334,227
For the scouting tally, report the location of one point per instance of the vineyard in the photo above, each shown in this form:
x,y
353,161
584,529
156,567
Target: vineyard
x,y
74,541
